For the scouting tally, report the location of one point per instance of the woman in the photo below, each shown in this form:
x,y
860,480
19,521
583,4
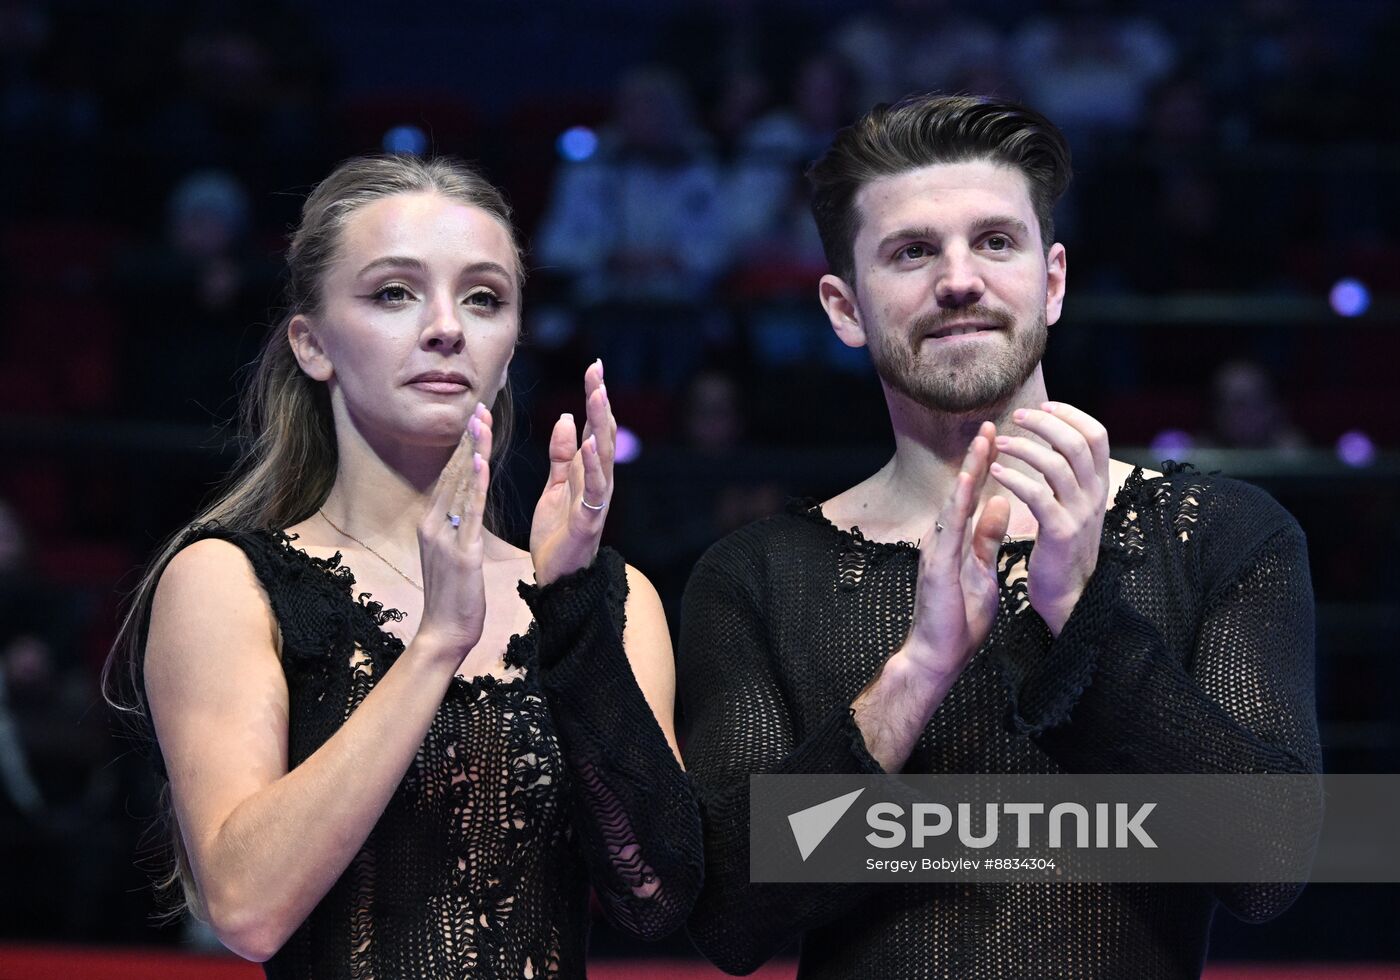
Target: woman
x,y
422,783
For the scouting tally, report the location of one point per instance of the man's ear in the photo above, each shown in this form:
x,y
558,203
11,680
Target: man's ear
x,y
1055,272
307,349
839,301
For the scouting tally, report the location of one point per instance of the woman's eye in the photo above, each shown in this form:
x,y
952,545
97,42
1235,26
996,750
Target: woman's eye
x,y
391,294
485,299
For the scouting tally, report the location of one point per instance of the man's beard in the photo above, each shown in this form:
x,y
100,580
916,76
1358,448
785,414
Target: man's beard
x,y
967,379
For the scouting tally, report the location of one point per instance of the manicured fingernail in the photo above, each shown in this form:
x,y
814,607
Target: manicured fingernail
x,y
593,443
599,362
603,388
1002,443
568,415
996,468
474,426
477,462
1019,415
1049,406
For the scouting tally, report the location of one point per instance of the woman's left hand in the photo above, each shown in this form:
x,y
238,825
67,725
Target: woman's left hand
x,y
569,518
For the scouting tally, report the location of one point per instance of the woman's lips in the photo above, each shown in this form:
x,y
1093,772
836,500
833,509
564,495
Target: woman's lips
x,y
440,387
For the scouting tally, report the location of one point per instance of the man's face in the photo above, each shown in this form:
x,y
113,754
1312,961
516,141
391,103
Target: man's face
x,y
954,290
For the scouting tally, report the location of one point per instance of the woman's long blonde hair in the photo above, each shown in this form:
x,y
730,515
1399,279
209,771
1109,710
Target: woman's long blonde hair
x,y
288,461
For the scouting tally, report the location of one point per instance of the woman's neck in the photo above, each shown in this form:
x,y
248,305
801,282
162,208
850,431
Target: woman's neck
x,y
382,489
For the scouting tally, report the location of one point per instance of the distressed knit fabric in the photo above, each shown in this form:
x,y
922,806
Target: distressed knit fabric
x,y
1191,650
524,791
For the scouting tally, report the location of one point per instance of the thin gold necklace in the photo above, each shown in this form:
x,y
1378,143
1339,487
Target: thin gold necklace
x,y
341,530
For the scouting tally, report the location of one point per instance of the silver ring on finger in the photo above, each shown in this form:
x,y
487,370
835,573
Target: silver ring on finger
x,y
938,527
584,500
454,519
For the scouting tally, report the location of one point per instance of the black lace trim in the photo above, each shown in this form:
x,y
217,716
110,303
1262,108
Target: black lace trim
x,y
333,578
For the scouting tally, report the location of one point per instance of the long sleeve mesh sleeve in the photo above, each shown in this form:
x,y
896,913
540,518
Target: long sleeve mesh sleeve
x,y
1111,695
636,814
738,724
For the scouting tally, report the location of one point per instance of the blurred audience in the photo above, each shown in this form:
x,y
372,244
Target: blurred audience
x,y
1247,412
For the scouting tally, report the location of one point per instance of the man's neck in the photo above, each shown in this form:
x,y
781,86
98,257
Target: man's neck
x,y
901,500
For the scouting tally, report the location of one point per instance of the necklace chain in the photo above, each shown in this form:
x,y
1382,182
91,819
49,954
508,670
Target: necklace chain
x,y
341,530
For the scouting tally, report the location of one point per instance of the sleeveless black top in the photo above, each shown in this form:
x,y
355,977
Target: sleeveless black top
x,y
477,867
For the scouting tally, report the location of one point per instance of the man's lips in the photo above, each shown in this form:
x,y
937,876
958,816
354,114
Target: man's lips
x,y
966,328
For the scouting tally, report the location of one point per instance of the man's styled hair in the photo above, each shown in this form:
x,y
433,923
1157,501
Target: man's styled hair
x,y
928,129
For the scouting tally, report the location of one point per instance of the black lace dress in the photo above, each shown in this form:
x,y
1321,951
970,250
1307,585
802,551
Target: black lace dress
x,y
523,791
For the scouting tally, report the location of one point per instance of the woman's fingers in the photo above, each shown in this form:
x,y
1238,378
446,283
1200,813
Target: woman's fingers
x,y
596,489
600,422
563,444
453,474
592,381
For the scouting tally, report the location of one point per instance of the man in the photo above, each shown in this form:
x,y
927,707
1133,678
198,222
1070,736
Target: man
x,y
1168,632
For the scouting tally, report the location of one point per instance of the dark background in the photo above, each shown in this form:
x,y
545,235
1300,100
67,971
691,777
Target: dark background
x,y
1233,300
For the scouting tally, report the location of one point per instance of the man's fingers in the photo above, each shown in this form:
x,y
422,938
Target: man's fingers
x,y
1051,465
990,530
1089,427
1035,494
1066,440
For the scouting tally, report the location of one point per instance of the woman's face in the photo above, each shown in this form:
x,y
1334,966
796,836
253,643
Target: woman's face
x,y
419,318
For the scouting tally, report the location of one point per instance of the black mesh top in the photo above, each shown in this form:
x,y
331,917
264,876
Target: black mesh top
x,y
1191,650
523,791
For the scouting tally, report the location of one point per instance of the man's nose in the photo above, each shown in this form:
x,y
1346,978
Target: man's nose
x,y
959,282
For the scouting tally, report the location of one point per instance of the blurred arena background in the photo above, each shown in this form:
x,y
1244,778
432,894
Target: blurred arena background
x,y
1233,232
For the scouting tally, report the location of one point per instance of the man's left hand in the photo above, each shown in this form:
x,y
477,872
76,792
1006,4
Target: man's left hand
x,y
1068,503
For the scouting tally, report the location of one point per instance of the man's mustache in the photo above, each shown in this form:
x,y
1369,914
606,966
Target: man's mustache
x,y
932,322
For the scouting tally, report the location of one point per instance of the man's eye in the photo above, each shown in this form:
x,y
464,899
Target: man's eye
x,y
998,243
915,251
391,294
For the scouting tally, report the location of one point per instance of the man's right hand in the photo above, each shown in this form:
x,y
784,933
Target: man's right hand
x,y
954,605
957,593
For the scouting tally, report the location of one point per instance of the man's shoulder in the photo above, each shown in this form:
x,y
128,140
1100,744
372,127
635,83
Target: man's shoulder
x,y
747,554
1228,515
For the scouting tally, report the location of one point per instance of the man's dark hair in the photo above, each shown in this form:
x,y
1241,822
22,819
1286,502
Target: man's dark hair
x,y
924,130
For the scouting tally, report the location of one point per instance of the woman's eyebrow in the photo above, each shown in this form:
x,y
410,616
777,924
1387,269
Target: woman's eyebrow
x,y
394,261
417,265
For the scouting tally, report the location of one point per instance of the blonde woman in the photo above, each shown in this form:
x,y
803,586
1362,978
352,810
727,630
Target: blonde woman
x,y
388,756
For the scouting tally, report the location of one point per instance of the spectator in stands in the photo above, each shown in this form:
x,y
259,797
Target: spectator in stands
x,y
639,227
1247,412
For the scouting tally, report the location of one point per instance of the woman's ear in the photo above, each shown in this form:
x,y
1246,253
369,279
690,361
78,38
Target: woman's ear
x,y
307,349
839,301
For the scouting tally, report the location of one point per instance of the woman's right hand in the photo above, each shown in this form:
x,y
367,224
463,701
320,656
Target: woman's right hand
x,y
454,590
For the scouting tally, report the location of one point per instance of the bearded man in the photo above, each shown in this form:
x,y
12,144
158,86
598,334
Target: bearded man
x,y
1062,611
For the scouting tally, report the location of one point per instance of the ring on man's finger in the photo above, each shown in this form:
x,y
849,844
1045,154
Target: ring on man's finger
x,y
454,519
584,501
